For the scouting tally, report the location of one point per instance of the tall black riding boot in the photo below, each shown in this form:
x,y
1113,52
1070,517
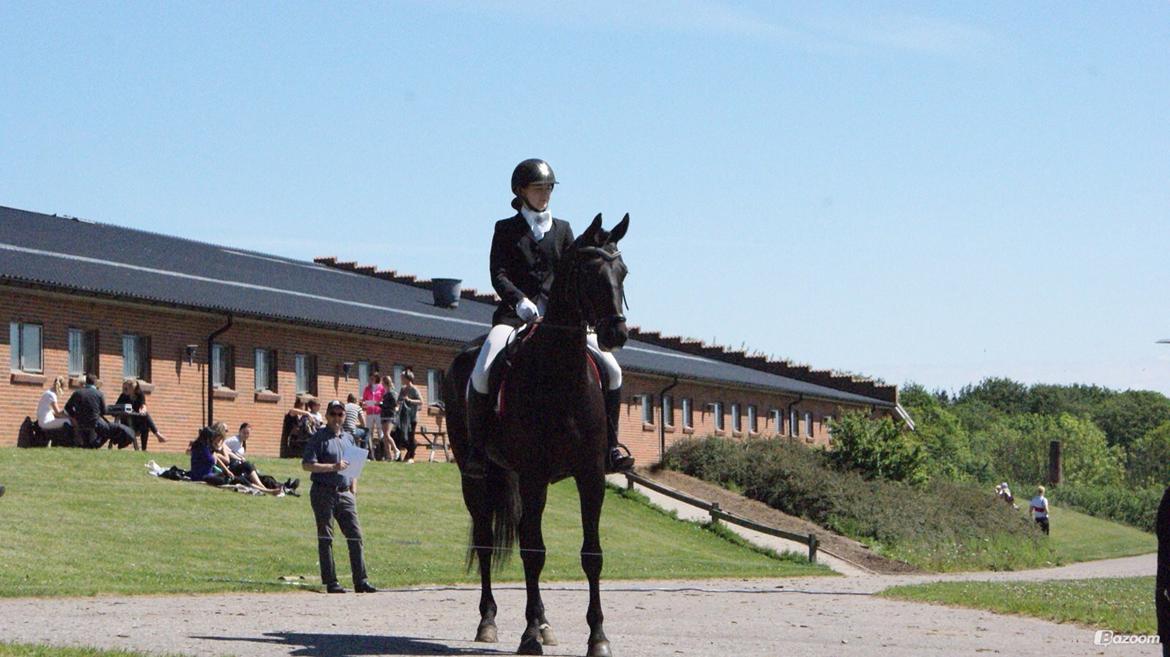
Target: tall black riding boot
x,y
618,457
479,418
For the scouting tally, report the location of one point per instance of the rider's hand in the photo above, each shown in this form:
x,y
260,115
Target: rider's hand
x,y
527,310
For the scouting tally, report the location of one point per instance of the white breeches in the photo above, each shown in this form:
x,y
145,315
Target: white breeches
x,y
53,423
498,338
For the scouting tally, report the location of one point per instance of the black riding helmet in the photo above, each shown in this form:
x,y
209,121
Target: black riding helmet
x,y
528,172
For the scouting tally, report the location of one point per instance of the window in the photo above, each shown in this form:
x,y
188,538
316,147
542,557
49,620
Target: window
x,y
793,429
434,385
688,413
135,357
24,341
396,376
223,366
753,423
647,408
717,412
736,422
363,374
83,352
306,373
265,370
808,427
667,411
777,422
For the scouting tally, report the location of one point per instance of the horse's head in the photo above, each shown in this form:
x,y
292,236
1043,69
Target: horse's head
x,y
599,275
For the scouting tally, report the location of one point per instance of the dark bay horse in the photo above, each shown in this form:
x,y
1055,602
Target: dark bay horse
x,y
551,426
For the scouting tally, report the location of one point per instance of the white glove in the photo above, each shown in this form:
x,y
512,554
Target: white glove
x,y
527,310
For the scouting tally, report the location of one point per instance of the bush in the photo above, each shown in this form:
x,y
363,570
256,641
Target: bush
x,y
941,525
1137,507
876,448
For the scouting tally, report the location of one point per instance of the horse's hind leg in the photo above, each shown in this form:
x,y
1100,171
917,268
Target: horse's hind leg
x,y
477,503
532,553
591,490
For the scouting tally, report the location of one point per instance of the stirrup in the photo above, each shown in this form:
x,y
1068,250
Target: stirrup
x,y
616,461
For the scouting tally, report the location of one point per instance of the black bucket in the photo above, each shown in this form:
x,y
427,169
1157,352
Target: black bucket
x,y
446,291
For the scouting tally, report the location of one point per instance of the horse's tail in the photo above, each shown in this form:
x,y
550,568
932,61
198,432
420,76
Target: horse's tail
x,y
500,492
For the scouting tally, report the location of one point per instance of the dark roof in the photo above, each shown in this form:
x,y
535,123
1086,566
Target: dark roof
x,y
112,261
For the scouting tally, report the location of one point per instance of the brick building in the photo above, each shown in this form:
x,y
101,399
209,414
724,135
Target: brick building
x,y
87,297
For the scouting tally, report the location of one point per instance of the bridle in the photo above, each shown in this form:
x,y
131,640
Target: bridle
x,y
583,304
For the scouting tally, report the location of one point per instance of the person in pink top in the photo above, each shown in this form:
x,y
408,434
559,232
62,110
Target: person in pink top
x,y
371,404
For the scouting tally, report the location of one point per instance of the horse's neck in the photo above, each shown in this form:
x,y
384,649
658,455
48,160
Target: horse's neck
x,y
559,349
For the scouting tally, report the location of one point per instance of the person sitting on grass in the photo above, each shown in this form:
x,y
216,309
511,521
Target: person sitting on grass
x,y
238,444
213,463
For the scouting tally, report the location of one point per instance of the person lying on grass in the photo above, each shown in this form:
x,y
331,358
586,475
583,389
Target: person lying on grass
x,y
211,462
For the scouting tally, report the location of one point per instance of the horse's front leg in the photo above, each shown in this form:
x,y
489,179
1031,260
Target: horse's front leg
x,y
591,490
532,553
477,501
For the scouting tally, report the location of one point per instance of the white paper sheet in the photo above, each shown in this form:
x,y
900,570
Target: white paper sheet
x,y
357,460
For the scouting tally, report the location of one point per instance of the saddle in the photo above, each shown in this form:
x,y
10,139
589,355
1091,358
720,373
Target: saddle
x,y
499,368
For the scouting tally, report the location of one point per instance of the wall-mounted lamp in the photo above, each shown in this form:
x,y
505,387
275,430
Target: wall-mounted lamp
x,y
190,351
345,368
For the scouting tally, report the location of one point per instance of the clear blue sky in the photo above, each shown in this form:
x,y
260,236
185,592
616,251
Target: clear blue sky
x,y
909,191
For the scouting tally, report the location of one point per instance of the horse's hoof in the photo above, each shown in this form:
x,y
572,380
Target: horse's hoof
x,y
546,635
530,645
486,633
599,649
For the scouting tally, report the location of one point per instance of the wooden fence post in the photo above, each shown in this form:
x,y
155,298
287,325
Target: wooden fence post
x,y
1055,467
812,548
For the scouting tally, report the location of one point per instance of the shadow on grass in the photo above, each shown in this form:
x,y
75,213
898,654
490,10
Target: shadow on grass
x,y
357,645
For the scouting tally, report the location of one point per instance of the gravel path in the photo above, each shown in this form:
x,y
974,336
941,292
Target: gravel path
x,y
829,616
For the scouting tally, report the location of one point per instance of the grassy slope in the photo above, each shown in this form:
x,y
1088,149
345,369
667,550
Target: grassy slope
x,y
1080,537
29,650
1124,605
84,522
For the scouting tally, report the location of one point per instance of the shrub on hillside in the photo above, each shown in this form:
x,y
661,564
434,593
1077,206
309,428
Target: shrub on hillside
x,y
1137,507
875,449
941,525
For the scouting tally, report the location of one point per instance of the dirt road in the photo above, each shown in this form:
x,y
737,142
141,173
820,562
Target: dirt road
x,y
829,616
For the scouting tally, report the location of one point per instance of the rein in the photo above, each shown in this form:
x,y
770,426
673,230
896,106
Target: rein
x,y
575,282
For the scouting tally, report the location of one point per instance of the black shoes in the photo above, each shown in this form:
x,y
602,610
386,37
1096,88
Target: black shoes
x,y
479,417
292,484
619,460
365,587
335,588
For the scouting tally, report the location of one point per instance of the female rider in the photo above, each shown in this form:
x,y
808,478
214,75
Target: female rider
x,y
525,251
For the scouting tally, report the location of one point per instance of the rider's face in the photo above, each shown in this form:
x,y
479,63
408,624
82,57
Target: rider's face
x,y
537,195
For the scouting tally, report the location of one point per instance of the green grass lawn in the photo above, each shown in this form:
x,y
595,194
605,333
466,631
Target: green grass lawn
x,y
81,522
1079,537
1124,605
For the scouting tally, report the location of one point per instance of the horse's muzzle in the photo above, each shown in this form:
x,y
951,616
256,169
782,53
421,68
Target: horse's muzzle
x,y
612,333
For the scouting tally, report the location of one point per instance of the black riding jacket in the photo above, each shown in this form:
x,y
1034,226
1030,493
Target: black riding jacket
x,y
522,267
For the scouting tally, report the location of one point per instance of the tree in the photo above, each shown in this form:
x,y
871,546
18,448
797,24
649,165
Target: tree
x,y
1018,449
941,434
1002,394
1130,415
1149,458
875,449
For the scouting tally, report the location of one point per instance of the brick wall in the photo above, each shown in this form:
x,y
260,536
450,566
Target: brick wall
x,y
177,402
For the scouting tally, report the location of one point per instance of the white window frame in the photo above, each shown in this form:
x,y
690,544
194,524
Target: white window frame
x,y
139,346
19,335
688,413
808,425
647,401
717,413
434,385
222,364
777,421
363,375
793,424
736,420
262,374
668,411
301,364
396,377
753,421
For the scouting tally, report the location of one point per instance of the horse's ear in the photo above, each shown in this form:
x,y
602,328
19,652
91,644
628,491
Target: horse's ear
x,y
619,231
590,234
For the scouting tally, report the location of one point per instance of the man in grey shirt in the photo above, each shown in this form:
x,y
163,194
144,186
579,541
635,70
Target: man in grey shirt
x,y
332,495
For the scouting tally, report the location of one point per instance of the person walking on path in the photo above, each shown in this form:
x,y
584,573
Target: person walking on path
x,y
1040,509
333,495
